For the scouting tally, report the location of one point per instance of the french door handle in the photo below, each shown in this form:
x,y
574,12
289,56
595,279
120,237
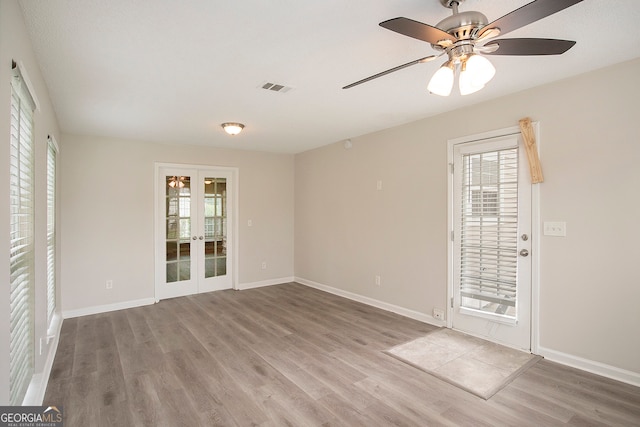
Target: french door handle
x,y
194,238
524,252
201,237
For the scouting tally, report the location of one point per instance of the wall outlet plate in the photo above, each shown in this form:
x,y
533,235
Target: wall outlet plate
x,y
438,314
555,228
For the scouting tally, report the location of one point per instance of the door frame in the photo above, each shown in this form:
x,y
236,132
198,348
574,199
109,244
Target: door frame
x,y
535,229
158,225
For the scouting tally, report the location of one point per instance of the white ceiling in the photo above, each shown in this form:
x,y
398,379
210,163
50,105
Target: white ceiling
x,y
173,70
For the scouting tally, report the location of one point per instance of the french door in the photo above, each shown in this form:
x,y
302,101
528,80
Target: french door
x,y
491,240
194,230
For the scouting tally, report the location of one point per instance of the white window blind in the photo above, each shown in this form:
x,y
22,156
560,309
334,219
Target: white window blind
x,y
51,229
21,171
489,232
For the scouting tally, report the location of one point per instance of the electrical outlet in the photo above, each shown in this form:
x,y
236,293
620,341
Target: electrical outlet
x,y
556,228
378,280
109,284
264,265
438,314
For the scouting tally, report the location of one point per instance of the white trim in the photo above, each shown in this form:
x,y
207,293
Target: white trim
x,y
592,366
512,130
24,75
412,314
97,309
263,283
235,173
535,230
450,228
536,255
53,141
39,382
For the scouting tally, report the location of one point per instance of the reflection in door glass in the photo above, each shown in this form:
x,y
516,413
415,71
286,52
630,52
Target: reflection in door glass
x,y
215,227
178,231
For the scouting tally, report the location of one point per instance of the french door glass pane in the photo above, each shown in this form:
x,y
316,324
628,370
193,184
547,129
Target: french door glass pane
x,y
215,230
489,232
178,236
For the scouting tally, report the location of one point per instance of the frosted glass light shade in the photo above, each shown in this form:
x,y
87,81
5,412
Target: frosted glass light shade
x,y
480,70
466,83
442,81
232,128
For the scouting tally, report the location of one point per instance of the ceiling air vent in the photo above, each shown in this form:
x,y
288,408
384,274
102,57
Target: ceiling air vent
x,y
275,87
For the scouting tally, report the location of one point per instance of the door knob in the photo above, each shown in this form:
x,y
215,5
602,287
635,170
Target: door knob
x,y
194,238
201,237
524,252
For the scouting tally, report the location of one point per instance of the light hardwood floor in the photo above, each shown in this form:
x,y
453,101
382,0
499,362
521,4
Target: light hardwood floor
x,y
289,355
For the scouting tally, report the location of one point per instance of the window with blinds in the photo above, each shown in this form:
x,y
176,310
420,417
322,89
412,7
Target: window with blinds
x,y
51,229
489,232
21,172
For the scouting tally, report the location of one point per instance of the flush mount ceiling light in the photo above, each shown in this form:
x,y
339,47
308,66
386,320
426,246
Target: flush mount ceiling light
x,y
232,128
465,36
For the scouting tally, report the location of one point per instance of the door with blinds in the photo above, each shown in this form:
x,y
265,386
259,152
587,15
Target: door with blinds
x,y
194,230
491,195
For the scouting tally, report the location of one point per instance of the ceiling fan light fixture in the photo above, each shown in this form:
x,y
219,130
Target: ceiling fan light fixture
x,y
464,33
176,182
466,83
442,81
480,69
232,128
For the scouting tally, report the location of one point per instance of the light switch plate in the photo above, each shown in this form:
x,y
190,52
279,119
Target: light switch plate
x,y
555,228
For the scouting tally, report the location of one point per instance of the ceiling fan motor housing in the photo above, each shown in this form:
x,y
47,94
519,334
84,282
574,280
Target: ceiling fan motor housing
x,y
462,26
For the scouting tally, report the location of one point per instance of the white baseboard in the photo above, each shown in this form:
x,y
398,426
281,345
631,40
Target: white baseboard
x,y
412,314
592,366
38,386
97,309
270,282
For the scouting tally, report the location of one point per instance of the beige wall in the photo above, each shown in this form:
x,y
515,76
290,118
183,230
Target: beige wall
x,y
15,45
346,231
107,198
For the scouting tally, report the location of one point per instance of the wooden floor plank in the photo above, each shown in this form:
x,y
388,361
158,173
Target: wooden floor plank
x,y
293,355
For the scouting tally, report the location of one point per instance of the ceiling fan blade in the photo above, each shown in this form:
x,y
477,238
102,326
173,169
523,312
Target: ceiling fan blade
x,y
527,14
530,46
391,70
417,30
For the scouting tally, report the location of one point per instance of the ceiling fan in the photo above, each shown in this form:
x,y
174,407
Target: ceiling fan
x,y
466,36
